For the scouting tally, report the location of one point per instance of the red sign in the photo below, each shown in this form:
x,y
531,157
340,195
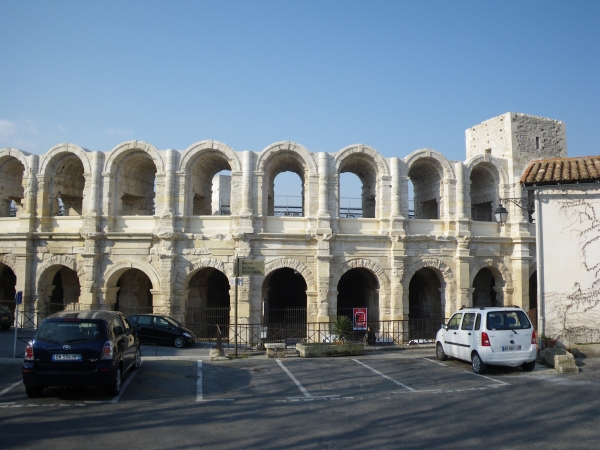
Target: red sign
x,y
359,318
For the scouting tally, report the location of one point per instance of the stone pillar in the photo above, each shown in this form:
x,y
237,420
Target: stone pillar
x,y
27,217
245,216
324,225
168,195
324,313
398,258
397,216
520,260
110,200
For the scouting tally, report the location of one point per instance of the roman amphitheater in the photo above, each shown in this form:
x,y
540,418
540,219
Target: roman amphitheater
x,y
148,230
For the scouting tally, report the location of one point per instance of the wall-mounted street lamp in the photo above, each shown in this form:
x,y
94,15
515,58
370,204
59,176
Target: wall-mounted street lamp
x,y
501,215
526,204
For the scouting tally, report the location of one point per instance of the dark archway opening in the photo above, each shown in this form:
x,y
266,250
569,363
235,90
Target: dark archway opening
x,y
284,307
134,295
424,305
8,282
484,293
66,291
208,303
358,288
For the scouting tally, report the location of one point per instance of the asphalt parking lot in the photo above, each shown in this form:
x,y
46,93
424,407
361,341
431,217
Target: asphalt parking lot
x,y
378,400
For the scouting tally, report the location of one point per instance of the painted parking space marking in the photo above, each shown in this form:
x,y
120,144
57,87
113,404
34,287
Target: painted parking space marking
x,y
385,376
10,387
116,398
199,392
502,383
307,395
435,362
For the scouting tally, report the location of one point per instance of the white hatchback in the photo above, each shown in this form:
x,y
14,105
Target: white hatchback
x,y
488,336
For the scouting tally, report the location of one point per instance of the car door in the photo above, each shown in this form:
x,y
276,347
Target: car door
x,y
145,329
163,330
465,335
451,335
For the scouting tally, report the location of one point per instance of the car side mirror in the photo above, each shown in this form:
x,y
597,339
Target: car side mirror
x,y
445,327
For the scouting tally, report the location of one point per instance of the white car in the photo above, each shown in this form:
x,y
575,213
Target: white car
x,y
488,336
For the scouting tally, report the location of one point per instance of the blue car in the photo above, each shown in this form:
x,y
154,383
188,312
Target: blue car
x,y
81,348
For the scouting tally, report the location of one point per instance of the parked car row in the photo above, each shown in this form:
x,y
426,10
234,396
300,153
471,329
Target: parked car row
x,y
94,348
6,317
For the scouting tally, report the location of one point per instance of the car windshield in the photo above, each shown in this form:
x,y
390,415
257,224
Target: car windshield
x,y
68,332
507,320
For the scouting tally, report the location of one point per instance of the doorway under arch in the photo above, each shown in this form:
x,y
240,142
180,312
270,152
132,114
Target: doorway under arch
x,y
425,313
8,282
484,294
358,288
134,295
284,304
66,291
208,303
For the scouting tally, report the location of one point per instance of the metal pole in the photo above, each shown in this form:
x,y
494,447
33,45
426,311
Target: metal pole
x,y
237,274
16,326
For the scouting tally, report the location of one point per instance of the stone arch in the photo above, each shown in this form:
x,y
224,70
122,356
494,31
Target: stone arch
x,y
368,153
285,157
370,168
372,266
498,164
198,166
8,152
136,175
125,148
300,151
59,149
65,175
185,274
197,150
9,260
113,272
281,263
443,271
447,169
56,261
500,272
14,181
431,175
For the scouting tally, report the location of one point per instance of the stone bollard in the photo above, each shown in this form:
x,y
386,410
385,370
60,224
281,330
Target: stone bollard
x,y
560,359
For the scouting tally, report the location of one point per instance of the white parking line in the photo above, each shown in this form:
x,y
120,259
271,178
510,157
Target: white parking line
x,y
199,394
435,362
10,387
302,389
116,398
489,378
385,376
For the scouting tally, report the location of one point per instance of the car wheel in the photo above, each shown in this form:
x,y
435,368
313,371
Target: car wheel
x,y
479,366
440,353
137,360
528,366
34,391
115,389
179,342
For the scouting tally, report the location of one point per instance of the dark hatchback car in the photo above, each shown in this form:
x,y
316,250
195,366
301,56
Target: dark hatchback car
x,y
81,348
6,317
162,330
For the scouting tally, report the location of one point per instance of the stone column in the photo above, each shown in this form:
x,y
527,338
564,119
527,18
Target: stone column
x,y
27,218
245,216
520,260
397,216
168,196
324,313
324,225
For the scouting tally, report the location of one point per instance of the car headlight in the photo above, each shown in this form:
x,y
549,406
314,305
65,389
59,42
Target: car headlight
x,y
187,335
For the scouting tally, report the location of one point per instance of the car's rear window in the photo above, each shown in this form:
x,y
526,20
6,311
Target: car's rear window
x,y
507,320
4,310
68,332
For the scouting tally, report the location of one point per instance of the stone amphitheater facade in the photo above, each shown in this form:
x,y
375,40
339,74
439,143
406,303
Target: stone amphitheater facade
x,y
137,225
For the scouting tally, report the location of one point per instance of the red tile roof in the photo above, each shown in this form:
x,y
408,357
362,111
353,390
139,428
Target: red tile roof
x,y
562,170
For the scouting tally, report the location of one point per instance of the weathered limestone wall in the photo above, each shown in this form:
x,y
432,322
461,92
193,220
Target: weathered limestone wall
x,y
154,211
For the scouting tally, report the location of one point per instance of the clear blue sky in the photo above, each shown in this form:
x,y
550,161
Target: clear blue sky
x,y
395,75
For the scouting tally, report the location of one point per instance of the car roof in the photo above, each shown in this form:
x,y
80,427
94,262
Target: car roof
x,y
150,315
85,314
491,308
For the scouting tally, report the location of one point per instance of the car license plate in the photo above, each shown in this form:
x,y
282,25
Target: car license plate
x,y
66,357
511,348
